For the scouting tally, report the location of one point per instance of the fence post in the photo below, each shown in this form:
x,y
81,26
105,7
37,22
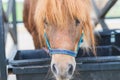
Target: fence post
x,y
14,20
3,61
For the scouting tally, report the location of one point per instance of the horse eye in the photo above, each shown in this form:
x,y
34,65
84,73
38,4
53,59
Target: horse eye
x,y
46,23
77,22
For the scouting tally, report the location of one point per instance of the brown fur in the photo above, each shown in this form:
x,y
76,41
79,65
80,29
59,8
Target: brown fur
x,y
55,12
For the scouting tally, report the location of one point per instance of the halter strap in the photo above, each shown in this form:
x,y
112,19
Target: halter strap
x,y
62,51
46,40
80,42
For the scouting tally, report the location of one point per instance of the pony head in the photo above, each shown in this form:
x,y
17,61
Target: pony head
x,y
64,21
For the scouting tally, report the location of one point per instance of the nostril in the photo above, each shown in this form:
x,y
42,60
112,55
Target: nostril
x,y
70,70
54,68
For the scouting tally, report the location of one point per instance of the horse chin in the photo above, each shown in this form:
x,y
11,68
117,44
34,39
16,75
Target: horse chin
x,y
62,78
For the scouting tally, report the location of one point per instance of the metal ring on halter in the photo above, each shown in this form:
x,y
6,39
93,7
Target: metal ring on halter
x,y
62,51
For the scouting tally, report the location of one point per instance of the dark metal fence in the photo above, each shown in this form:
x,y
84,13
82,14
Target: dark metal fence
x,y
5,28
3,73
11,9
102,13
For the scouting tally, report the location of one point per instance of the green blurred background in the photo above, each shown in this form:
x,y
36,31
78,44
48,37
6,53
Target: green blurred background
x,y
114,12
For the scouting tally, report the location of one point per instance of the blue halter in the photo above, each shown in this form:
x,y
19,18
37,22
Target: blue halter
x,y
61,51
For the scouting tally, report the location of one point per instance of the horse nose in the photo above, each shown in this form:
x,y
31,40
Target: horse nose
x,y
54,69
70,69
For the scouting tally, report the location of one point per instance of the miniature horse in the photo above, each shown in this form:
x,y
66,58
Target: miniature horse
x,y
59,26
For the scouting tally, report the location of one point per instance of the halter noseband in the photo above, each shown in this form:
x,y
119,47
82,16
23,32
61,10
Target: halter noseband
x,y
62,51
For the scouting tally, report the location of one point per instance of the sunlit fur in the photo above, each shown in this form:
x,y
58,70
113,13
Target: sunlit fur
x,y
57,18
